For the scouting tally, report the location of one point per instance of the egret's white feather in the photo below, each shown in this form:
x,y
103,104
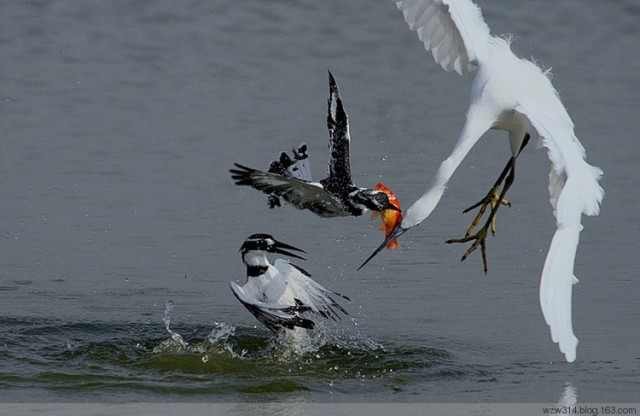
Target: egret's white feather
x,y
556,183
478,121
453,30
574,190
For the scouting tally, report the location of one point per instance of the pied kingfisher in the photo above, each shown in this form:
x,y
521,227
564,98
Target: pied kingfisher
x,y
334,196
282,295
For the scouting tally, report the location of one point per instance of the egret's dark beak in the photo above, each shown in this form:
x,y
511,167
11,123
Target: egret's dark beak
x,y
397,232
281,248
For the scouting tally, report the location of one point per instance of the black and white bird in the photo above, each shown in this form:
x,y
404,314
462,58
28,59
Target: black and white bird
x,y
282,295
333,196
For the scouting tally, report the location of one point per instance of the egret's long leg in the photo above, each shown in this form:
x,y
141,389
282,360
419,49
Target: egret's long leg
x,y
492,198
479,238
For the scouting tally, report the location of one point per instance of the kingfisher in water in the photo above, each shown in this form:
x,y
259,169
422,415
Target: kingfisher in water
x,y
334,196
282,295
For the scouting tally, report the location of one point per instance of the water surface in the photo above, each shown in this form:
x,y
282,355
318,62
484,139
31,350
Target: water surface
x,y
120,120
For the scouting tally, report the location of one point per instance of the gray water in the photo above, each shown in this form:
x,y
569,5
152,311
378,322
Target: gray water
x,y
121,119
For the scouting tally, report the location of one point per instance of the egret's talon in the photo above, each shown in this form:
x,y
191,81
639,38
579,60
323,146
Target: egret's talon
x,y
495,201
479,239
492,199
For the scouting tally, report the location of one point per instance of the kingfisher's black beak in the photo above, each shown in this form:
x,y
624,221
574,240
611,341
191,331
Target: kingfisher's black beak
x,y
397,232
392,207
282,248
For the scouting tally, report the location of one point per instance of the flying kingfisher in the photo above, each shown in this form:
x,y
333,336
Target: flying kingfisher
x,y
282,295
333,196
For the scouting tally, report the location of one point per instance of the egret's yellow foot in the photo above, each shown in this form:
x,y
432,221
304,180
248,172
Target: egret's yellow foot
x,y
479,239
491,200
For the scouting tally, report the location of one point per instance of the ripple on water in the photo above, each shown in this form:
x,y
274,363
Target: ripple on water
x,y
103,357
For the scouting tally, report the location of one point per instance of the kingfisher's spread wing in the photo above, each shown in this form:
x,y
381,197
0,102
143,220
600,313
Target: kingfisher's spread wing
x,y
301,167
274,316
309,294
295,166
574,190
301,194
339,179
453,30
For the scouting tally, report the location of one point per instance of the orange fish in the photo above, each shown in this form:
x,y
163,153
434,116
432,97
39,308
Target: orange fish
x,y
390,218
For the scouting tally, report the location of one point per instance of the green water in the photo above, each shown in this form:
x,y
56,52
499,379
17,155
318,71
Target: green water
x,y
96,360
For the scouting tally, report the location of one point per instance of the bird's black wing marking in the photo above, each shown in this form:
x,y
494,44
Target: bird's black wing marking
x,y
296,166
309,293
277,318
329,303
277,321
302,195
339,179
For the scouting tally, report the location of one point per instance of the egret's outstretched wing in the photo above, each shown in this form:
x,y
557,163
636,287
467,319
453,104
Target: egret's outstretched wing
x,y
574,191
453,30
302,195
272,315
339,180
308,293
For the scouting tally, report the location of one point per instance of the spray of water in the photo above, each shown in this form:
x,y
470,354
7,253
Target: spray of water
x,y
216,341
291,346
175,343
220,333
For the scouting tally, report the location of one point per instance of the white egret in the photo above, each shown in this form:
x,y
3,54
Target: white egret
x,y
512,94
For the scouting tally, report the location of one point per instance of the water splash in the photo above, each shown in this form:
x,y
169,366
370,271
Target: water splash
x,y
176,343
218,338
215,343
293,344
336,349
220,333
230,359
